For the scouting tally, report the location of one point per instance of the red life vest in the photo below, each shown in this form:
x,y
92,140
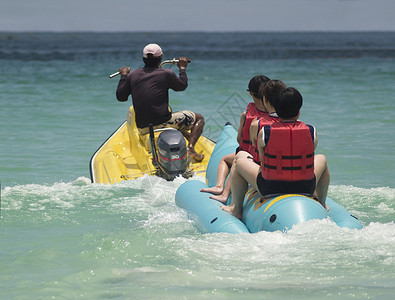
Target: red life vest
x,y
251,114
289,152
262,121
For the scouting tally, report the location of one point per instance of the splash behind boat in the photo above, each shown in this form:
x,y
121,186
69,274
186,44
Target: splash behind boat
x,y
269,214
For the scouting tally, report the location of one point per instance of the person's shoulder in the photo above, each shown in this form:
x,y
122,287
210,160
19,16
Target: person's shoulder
x,y
298,122
251,106
265,117
309,126
162,72
136,71
303,123
166,72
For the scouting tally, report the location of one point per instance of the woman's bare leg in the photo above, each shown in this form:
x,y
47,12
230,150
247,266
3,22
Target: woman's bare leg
x,y
244,173
322,176
222,173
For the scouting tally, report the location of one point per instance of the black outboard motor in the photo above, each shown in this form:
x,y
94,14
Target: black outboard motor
x,y
173,158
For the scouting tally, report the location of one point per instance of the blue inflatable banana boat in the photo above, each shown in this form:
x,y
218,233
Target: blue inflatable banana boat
x,y
259,213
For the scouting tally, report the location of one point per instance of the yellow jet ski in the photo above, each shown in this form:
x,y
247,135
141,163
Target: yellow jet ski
x,y
127,155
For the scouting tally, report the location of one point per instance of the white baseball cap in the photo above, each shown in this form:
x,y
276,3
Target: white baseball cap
x,y
153,49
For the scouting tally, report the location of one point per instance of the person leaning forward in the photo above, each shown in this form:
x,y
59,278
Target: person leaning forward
x,y
149,87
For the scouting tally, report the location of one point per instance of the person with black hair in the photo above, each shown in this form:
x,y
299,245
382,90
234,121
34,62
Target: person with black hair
x,y
288,163
269,92
149,87
254,110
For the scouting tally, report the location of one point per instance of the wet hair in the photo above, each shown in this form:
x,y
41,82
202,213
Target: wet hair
x,y
151,61
288,103
271,90
255,84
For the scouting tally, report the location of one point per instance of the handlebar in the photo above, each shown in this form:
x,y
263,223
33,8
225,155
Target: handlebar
x,y
165,62
114,74
171,61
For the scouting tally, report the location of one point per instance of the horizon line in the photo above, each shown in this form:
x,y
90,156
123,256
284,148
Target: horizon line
x,y
201,31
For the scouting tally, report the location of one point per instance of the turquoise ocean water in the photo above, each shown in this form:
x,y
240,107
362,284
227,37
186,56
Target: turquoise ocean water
x,y
62,237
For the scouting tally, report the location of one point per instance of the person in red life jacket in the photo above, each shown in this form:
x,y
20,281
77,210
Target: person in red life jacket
x,y
254,109
270,92
149,87
288,163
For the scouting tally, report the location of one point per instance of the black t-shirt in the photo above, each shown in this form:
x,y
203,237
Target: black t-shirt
x,y
149,88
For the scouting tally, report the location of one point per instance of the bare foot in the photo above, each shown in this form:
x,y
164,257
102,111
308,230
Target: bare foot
x,y
196,157
221,198
216,190
231,209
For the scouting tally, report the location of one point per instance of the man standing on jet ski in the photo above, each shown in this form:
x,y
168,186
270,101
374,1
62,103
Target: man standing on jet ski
x,y
149,87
